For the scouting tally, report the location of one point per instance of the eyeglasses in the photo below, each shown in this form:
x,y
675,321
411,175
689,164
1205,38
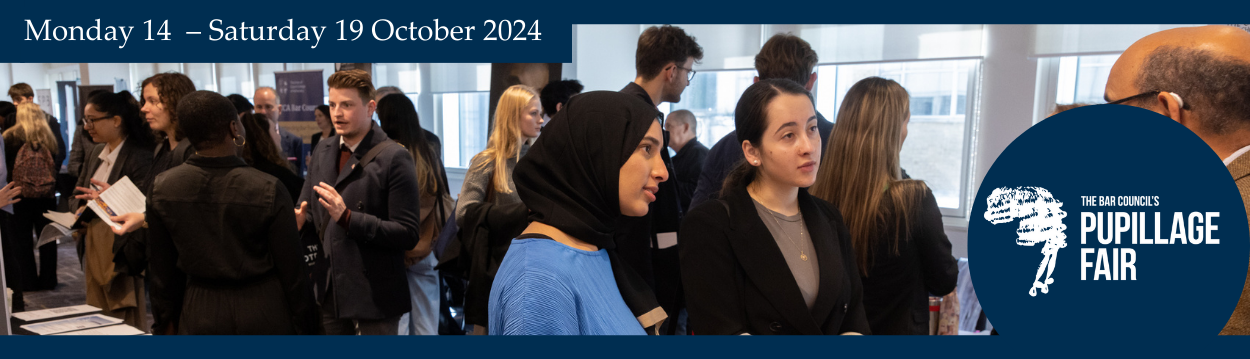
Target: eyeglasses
x,y
690,72
1141,96
89,123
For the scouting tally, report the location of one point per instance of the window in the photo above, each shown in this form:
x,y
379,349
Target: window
x,y
462,119
1083,79
937,145
712,97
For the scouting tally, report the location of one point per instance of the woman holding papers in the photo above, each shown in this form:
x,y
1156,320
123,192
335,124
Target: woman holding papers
x,y
226,256
123,150
769,258
29,147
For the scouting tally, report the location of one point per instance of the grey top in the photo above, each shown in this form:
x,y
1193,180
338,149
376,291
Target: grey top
x,y
795,242
478,178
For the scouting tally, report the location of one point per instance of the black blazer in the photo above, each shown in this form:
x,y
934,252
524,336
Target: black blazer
x,y
367,258
737,280
897,287
129,250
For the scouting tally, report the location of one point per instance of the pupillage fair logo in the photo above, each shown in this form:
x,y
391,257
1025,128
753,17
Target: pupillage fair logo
x,y
1041,221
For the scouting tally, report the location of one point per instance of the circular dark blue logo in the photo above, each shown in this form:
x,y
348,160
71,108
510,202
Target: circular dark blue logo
x,y
1112,218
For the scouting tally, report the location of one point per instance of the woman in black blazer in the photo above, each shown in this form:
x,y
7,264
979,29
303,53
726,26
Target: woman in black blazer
x,y
112,263
895,221
767,258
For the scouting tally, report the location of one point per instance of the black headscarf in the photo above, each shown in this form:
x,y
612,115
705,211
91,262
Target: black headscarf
x,y
569,179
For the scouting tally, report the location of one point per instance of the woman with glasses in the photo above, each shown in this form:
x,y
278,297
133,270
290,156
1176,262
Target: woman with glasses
x,y
123,149
894,222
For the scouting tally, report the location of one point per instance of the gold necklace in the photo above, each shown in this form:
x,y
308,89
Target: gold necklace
x,y
802,253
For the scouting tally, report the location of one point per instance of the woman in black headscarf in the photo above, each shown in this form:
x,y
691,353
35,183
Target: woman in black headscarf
x,y
562,275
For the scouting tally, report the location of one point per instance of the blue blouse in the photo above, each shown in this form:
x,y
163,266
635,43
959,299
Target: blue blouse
x,y
544,287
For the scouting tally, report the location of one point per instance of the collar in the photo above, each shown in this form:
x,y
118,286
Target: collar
x,y
1233,157
111,157
635,89
342,143
225,162
694,142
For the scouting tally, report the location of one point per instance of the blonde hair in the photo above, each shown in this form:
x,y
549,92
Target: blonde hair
x,y
505,138
863,168
32,127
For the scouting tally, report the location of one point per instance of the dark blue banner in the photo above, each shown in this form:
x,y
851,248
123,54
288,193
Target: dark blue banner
x,y
300,92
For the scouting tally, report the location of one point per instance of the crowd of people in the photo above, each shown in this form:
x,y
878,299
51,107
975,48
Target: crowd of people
x,y
575,220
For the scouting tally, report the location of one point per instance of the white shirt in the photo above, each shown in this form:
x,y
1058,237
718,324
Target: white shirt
x,y
350,147
107,160
1234,156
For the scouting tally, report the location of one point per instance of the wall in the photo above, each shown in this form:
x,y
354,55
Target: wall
x,y
605,56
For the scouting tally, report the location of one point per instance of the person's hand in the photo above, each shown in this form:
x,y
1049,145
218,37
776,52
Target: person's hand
x,y
300,214
331,200
91,194
129,222
9,193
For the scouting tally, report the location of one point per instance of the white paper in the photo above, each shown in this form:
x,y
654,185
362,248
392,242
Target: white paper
x,y
120,329
55,312
665,240
120,198
65,219
71,324
51,233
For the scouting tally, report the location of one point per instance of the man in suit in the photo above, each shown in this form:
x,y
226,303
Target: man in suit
x,y
22,93
268,104
664,64
784,56
683,139
1199,77
361,200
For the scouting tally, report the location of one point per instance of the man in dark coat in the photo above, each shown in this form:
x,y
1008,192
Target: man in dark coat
x,y
664,62
361,200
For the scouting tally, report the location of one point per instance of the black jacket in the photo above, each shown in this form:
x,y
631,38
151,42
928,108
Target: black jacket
x,y
689,165
217,221
897,287
366,258
129,251
290,182
737,281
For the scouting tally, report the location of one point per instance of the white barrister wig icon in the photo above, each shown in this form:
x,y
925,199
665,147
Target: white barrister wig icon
x,y
1041,220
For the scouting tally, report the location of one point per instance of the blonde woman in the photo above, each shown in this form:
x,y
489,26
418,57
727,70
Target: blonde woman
x,y
489,207
31,144
894,222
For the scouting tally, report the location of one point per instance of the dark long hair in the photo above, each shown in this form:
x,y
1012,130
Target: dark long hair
x,y
124,105
400,122
259,144
325,110
750,121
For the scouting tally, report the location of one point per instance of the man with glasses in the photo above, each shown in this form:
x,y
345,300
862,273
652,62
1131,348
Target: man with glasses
x,y
664,63
1199,77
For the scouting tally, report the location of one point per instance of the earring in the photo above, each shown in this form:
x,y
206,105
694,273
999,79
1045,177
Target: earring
x,y
236,141
757,162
